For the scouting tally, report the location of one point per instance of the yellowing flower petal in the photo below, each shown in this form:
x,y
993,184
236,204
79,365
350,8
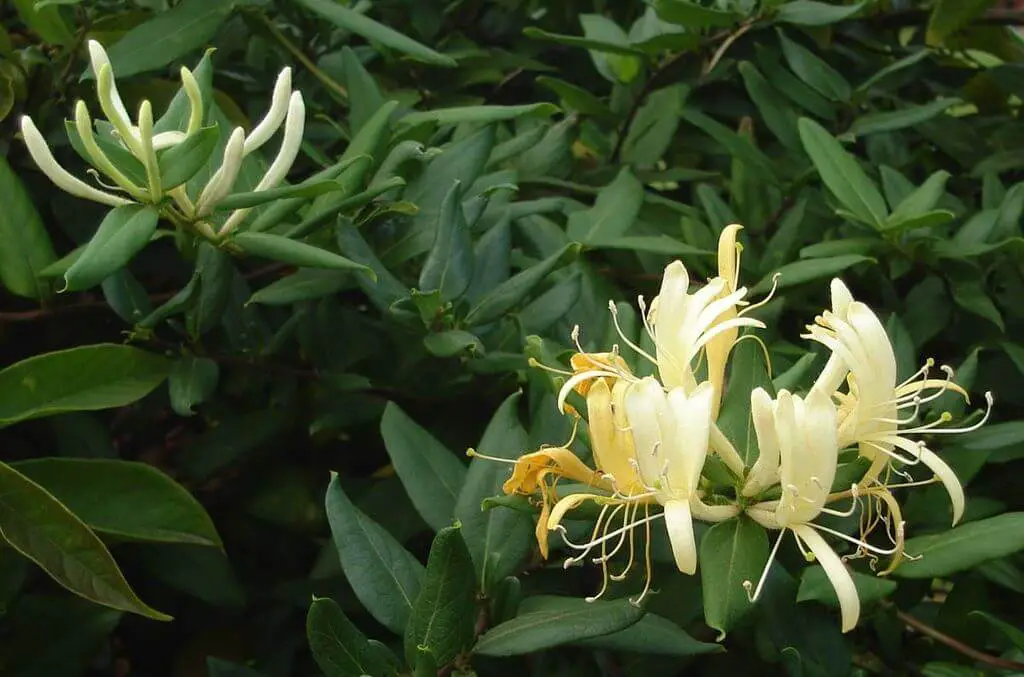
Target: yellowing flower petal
x,y
835,570
679,523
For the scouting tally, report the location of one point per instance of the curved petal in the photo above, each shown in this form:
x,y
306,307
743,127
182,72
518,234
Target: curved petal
x,y
948,479
679,522
646,409
838,576
687,447
841,297
765,472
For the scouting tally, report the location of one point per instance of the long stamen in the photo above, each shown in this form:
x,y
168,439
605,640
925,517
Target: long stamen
x,y
593,539
605,555
933,429
629,342
854,491
647,557
473,453
747,585
859,543
606,537
766,299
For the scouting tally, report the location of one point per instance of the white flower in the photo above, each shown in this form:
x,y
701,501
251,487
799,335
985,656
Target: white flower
x,y
870,410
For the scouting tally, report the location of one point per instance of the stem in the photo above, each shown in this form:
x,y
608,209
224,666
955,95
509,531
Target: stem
x,y
333,85
955,644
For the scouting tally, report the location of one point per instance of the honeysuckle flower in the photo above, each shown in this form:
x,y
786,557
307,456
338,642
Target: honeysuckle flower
x,y
870,410
138,138
802,435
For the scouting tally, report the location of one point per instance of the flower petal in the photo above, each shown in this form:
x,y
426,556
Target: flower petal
x,y
838,576
679,522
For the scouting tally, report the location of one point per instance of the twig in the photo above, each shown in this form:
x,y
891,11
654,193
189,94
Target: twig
x,y
957,645
330,83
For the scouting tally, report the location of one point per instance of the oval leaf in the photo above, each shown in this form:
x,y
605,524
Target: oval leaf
x,y
122,234
278,248
963,547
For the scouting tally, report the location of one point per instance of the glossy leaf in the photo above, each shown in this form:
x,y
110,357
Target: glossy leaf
x,y
449,264
730,553
340,648
614,211
963,547
122,234
85,378
191,381
26,249
278,248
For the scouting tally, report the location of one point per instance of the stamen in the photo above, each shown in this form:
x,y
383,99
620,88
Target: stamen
x,y
605,556
766,299
537,364
629,342
747,585
473,453
647,556
608,536
859,543
854,493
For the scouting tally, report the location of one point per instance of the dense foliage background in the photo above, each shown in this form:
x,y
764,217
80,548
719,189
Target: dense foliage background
x,y
506,167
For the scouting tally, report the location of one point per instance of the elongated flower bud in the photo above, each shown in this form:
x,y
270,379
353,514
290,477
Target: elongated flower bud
x,y
223,179
99,159
61,178
148,154
110,102
99,60
279,106
195,101
294,125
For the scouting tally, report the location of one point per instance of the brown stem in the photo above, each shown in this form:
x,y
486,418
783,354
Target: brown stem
x,y
957,645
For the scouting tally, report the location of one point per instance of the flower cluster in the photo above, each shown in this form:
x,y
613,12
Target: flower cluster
x,y
651,437
128,154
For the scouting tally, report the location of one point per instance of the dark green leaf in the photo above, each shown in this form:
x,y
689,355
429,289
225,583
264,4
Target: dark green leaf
x,y
730,553
800,272
614,211
963,547
278,248
652,635
192,380
692,16
449,264
477,114
949,16
180,162
511,292
26,246
889,121
813,13
339,647
812,70
124,499
85,378
814,585
38,526
122,234
306,284
384,576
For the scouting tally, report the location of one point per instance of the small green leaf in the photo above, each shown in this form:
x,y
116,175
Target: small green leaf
x,y
652,635
449,264
544,622
181,162
192,380
512,291
963,547
431,474
614,67
38,526
122,234
452,342
46,21
949,16
305,190
590,44
477,114
614,211
27,248
575,98
278,248
889,121
125,499
778,115
812,70
922,199
306,284
444,614
85,378
800,272
737,146
366,27
692,16
813,13
168,35
384,576
841,173
340,648
730,553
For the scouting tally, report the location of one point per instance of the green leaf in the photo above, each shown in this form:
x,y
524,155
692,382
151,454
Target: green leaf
x,y
692,16
444,614
124,499
452,342
306,284
616,68
388,288
747,370
807,270
278,248
652,635
26,249
841,173
932,219
38,526
512,291
122,234
779,116
431,474
85,378
813,13
815,586
812,70
614,211
497,539
340,648
591,44
168,36
365,97
449,264
544,622
306,189
963,547
126,296
889,121
1011,632
192,380
553,305
654,126
730,553
737,146
46,21
181,162
922,199
970,294
384,576
477,114
373,31
894,67
949,16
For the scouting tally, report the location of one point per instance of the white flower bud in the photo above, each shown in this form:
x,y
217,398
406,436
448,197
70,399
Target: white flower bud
x,y
279,105
222,181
